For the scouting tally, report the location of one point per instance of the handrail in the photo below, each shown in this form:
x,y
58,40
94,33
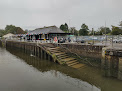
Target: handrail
x,y
77,55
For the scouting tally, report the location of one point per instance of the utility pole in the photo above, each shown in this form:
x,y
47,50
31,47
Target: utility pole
x,y
93,35
69,26
112,41
105,35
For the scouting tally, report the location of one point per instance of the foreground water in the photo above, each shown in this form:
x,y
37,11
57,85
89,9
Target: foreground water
x,y
22,72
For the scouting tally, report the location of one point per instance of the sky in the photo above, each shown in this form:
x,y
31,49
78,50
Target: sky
x,y
31,14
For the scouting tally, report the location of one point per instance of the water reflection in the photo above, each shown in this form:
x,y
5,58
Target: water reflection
x,y
65,74
81,79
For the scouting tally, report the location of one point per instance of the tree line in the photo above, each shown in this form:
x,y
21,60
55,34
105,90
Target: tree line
x,y
84,31
11,29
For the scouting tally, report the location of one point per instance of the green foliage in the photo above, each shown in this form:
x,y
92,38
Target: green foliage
x,y
84,30
92,32
103,30
11,29
64,27
84,26
14,30
116,30
2,32
98,33
74,31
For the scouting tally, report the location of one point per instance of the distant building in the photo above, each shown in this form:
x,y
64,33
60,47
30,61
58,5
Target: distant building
x,y
9,36
46,33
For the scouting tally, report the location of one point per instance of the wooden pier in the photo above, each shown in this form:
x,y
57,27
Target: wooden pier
x,y
46,51
111,60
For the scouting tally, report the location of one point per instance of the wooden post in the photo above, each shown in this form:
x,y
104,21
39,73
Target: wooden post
x,y
120,69
34,49
49,57
42,54
39,52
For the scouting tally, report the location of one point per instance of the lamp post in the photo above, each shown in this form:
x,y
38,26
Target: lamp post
x,y
105,35
93,35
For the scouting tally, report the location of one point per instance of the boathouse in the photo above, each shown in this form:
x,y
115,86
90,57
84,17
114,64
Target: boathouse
x,y
46,33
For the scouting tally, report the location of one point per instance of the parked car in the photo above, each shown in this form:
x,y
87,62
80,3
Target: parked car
x,y
61,40
117,40
79,40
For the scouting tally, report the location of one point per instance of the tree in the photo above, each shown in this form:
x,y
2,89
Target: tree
x,y
64,27
13,29
98,33
73,31
104,30
10,29
2,32
84,26
84,30
116,30
92,32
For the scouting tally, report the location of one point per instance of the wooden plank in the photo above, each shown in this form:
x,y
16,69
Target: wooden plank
x,y
78,66
68,59
59,53
69,62
73,63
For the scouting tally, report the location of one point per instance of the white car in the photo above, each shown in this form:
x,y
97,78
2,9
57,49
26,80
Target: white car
x,y
117,40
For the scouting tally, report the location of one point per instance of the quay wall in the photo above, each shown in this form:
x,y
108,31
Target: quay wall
x,y
0,43
30,48
92,51
84,51
111,58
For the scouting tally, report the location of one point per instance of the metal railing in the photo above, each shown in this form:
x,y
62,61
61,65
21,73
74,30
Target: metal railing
x,y
105,40
83,59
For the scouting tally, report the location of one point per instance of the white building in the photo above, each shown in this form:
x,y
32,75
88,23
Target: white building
x,y
9,36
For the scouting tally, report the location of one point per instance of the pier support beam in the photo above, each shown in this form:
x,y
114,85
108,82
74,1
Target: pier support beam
x,y
42,54
112,62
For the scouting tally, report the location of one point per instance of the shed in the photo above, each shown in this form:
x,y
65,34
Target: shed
x,y
46,33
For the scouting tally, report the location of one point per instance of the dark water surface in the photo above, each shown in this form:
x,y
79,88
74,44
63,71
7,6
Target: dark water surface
x,y
22,72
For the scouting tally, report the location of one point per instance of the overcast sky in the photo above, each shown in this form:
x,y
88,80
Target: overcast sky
x,y
31,14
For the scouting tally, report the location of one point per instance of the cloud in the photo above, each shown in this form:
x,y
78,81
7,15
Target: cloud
x,y
38,13
113,4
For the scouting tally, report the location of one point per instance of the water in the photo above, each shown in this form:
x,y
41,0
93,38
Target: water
x,y
22,72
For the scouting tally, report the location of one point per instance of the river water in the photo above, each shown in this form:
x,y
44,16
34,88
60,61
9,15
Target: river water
x,y
22,72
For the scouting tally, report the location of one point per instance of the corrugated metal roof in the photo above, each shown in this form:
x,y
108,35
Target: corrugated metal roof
x,y
50,29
